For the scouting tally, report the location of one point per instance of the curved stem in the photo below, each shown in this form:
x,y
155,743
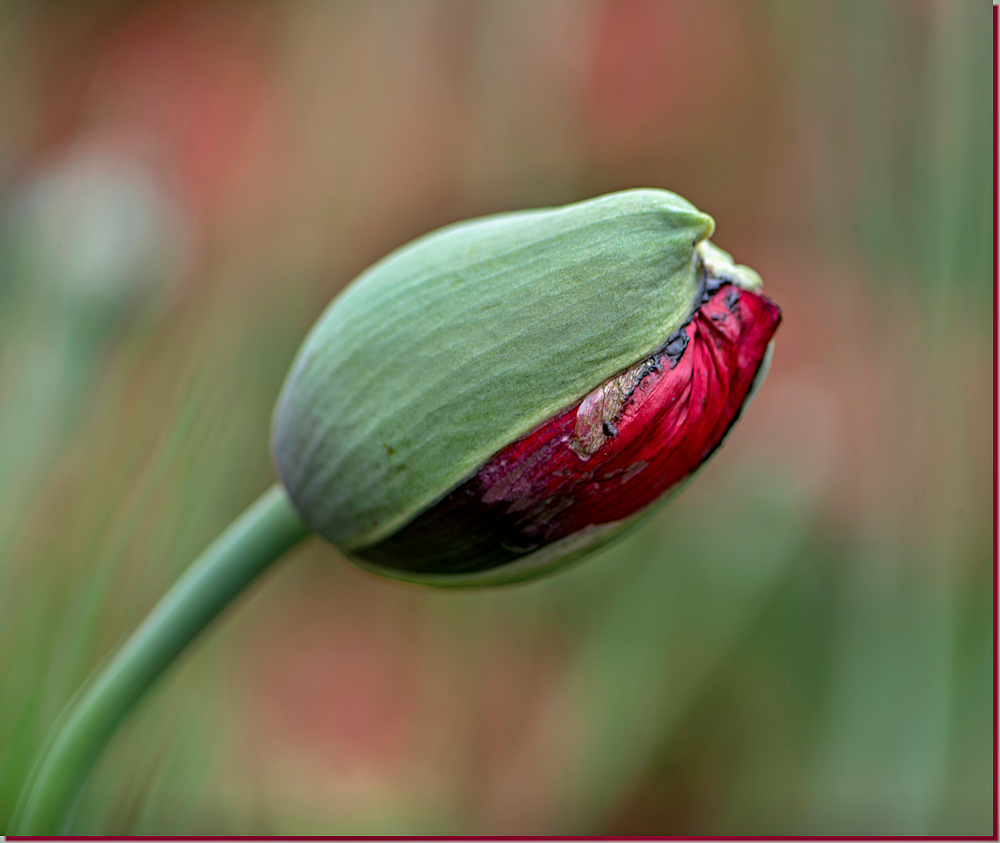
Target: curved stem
x,y
268,528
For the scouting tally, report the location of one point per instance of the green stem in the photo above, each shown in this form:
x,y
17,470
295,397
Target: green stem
x,y
227,566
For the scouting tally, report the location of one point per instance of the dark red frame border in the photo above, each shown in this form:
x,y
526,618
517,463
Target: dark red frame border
x,y
996,756
995,428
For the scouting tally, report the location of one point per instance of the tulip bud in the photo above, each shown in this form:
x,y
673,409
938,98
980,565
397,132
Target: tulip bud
x,y
499,397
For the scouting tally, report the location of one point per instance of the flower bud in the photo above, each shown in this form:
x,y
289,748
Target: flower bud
x,y
499,397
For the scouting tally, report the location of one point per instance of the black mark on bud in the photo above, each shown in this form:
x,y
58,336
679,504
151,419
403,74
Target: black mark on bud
x,y
675,347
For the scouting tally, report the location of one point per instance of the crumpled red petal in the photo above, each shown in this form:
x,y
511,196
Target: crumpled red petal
x,y
610,455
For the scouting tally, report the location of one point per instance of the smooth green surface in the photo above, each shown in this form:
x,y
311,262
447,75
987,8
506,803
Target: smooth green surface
x,y
457,344
262,534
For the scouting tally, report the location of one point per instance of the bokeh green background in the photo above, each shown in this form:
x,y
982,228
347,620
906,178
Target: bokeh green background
x,y
800,643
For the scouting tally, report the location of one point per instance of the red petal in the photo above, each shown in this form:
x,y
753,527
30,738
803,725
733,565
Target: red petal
x,y
607,457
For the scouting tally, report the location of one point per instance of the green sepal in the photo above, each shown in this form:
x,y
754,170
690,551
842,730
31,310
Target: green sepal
x,y
464,340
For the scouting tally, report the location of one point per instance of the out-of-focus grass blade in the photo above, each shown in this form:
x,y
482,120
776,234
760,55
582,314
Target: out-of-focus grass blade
x,y
697,582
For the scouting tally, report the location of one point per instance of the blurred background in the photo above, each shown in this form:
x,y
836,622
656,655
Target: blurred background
x,y
800,644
